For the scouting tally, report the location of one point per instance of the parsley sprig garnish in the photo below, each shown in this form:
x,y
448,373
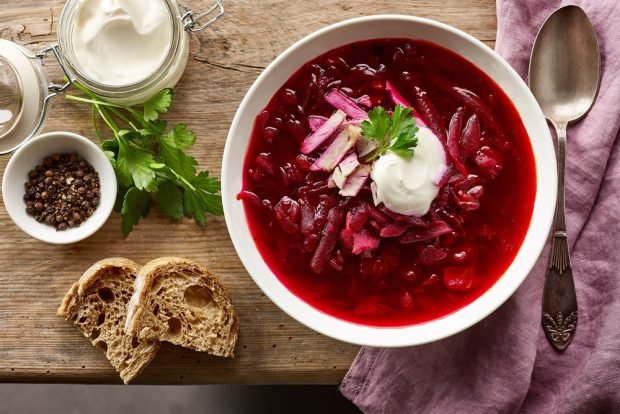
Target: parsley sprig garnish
x,y
396,133
148,158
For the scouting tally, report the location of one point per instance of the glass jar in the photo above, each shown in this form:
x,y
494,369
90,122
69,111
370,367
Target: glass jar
x,y
25,88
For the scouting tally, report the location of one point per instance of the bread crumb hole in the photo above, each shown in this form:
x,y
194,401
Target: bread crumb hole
x,y
82,319
95,334
106,294
174,326
100,319
134,342
102,345
198,296
156,310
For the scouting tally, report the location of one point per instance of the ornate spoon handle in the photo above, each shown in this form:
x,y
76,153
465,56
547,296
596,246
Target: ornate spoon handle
x,y
559,316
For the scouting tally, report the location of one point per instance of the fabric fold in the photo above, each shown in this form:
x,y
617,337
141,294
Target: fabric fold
x,y
504,363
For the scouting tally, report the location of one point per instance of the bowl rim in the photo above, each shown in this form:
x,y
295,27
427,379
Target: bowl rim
x,y
89,227
367,335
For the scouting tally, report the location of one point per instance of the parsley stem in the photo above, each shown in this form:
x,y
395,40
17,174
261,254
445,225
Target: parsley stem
x,y
180,180
95,127
106,118
123,117
94,99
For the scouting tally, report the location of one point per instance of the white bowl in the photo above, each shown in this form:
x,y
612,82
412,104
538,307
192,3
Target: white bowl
x,y
32,154
385,26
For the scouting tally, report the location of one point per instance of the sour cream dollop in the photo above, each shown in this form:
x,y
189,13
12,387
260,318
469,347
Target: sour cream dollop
x,y
121,42
409,186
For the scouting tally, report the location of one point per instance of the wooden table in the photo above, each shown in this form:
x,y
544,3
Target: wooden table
x,y
36,346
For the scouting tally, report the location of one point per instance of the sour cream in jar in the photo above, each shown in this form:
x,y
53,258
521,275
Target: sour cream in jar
x,y
124,50
121,42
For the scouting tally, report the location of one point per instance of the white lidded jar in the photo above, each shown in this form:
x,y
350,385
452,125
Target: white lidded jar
x,y
123,50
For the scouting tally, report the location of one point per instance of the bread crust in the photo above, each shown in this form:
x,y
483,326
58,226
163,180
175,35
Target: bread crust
x,y
78,292
90,276
143,286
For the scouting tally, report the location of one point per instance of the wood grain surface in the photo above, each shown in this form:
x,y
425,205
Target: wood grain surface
x,y
36,346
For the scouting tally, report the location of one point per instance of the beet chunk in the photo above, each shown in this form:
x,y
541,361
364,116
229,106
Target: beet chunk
x,y
430,115
436,229
335,220
288,213
466,201
458,278
477,105
381,263
364,241
357,217
337,261
431,255
395,229
251,199
454,132
488,162
311,242
307,216
470,138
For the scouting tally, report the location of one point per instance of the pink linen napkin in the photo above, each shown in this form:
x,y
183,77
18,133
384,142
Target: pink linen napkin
x,y
504,363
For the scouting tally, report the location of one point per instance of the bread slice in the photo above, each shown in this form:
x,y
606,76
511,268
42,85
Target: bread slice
x,y
97,305
181,302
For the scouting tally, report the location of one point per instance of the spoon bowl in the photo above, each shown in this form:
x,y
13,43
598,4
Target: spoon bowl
x,y
565,66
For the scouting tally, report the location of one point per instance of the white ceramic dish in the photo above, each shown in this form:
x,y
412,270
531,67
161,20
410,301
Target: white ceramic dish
x,y
30,155
385,26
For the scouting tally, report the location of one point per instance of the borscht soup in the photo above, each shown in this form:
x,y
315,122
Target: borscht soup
x,y
388,182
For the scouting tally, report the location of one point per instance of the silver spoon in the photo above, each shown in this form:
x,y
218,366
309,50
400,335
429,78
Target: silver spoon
x,y
564,76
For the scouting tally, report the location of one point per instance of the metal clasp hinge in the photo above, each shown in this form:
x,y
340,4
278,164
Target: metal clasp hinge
x,y
55,88
191,20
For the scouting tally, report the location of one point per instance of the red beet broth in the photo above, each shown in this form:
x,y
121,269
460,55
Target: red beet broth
x,y
396,284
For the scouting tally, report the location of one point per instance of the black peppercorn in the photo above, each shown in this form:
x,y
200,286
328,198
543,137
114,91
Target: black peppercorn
x,y
62,191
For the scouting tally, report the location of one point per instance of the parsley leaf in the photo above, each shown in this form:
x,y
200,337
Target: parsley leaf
x,y
133,165
170,199
157,104
177,160
180,137
379,124
136,204
148,157
206,188
396,133
201,193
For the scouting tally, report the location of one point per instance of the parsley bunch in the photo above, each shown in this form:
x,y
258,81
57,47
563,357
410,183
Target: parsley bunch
x,y
396,133
150,158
